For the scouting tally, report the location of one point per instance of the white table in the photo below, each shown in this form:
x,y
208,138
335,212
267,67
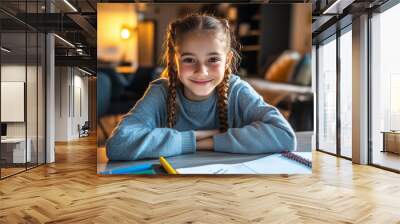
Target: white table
x,y
18,149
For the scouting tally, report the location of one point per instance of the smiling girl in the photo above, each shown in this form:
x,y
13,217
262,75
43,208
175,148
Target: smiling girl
x,y
199,104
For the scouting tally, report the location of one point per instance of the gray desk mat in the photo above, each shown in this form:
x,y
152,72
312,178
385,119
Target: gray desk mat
x,y
187,160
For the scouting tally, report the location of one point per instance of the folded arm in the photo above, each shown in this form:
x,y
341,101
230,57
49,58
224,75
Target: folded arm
x,y
140,136
264,129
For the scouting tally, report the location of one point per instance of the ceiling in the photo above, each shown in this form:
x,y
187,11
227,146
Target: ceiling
x,y
76,22
331,15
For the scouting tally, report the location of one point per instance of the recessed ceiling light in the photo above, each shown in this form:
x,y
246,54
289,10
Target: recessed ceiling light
x,y
70,5
86,72
5,49
338,6
64,40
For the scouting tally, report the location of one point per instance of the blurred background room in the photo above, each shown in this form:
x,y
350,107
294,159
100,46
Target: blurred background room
x,y
276,55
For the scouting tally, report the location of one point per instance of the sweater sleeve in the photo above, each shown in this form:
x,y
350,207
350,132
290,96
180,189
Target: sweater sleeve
x,y
263,129
140,134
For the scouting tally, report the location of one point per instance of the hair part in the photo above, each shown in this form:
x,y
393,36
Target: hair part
x,y
175,32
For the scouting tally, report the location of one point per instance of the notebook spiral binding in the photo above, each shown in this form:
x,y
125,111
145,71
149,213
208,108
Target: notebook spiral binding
x,y
297,158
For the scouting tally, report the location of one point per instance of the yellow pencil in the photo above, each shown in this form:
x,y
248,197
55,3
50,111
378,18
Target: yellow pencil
x,y
164,163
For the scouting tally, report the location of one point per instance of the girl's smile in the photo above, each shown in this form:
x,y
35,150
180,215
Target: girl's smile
x,y
202,82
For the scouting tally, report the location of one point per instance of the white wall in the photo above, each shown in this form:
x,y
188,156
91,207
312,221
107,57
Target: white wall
x,y
71,92
14,73
33,126
61,103
17,73
79,117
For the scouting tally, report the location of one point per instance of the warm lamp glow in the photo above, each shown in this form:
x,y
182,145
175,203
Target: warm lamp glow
x,y
125,69
117,38
125,33
232,13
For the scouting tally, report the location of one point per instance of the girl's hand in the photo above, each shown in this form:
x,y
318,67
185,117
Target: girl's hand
x,y
205,144
203,134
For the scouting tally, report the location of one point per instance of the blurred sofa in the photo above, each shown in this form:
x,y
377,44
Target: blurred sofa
x,y
118,93
287,86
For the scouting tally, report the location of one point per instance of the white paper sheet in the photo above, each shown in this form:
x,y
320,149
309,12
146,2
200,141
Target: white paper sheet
x,y
273,164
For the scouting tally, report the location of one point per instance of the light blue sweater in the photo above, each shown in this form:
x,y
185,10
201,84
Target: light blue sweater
x,y
254,126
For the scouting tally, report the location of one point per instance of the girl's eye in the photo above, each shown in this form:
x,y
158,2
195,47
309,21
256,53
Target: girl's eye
x,y
188,60
214,60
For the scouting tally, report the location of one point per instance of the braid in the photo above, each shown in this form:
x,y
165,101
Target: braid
x,y
172,82
222,89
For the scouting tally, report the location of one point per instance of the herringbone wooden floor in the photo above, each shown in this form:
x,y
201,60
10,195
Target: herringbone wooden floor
x,y
70,191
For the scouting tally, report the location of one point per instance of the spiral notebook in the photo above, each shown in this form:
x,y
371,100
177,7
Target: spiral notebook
x,y
280,163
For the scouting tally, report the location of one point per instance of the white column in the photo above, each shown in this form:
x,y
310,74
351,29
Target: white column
x,y
50,93
314,90
63,99
360,90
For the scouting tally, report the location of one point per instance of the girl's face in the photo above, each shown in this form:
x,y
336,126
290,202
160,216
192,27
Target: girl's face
x,y
201,59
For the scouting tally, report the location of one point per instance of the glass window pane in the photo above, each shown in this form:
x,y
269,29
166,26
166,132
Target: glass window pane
x,y
32,9
327,97
385,88
23,86
14,153
31,97
41,98
346,94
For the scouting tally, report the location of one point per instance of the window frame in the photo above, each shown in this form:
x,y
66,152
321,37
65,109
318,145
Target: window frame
x,y
346,27
378,10
29,29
